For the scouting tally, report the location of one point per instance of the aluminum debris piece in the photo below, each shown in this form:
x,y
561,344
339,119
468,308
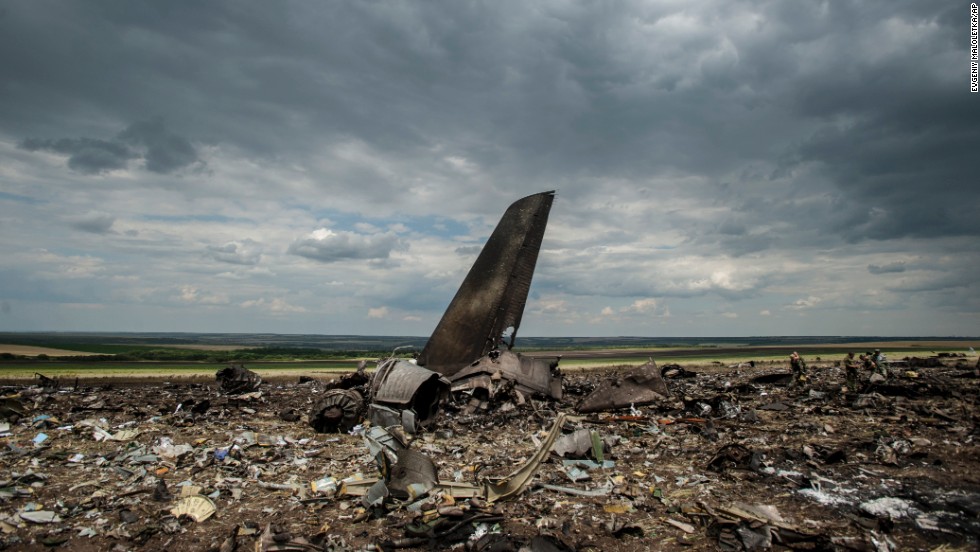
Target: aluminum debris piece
x,y
642,386
499,368
339,410
40,516
380,439
376,494
236,379
383,416
197,507
413,475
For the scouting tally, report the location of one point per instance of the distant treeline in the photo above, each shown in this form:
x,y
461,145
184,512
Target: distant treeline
x,y
224,347
204,356
84,341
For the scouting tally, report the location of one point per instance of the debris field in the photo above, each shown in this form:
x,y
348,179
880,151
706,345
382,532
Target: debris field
x,y
697,458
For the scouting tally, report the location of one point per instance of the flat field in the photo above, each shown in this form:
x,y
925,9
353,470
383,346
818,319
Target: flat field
x,y
587,358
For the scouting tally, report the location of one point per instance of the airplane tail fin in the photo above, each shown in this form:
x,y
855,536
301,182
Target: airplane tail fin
x,y
492,297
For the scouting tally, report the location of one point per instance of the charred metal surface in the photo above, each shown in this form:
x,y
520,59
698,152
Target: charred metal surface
x,y
236,379
780,378
528,375
642,386
413,474
492,297
12,409
404,385
337,410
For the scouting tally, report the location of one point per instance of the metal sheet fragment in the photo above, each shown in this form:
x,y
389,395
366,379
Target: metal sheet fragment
x,y
413,475
197,507
644,385
407,386
529,375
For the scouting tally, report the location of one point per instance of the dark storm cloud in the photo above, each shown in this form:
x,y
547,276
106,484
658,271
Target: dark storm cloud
x,y
889,268
328,246
162,151
85,155
561,91
896,138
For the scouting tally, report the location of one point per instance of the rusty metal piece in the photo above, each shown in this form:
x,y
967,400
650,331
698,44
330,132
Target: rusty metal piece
x,y
338,410
236,379
529,375
493,294
413,475
406,386
643,385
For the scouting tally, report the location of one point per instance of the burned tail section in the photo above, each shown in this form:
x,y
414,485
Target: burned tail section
x,y
494,293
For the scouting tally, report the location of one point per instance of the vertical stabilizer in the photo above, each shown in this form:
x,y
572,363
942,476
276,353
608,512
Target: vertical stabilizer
x,y
494,293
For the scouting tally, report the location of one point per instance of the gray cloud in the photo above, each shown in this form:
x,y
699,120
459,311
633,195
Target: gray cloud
x,y
162,151
245,252
328,246
94,222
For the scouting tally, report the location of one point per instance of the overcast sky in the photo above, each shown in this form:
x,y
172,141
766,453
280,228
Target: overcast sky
x,y
722,168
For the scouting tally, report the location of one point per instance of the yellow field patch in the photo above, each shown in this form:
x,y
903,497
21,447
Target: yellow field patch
x,y
27,350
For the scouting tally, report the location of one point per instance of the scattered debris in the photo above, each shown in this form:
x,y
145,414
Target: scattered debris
x,y
123,466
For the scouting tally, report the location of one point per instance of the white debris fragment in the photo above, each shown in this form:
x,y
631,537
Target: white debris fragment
x,y
890,507
40,516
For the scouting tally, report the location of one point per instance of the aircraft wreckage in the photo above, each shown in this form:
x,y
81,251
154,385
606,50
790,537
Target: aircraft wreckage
x,y
468,359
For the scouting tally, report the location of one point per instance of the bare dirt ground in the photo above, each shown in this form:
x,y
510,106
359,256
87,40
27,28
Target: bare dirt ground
x,y
730,462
